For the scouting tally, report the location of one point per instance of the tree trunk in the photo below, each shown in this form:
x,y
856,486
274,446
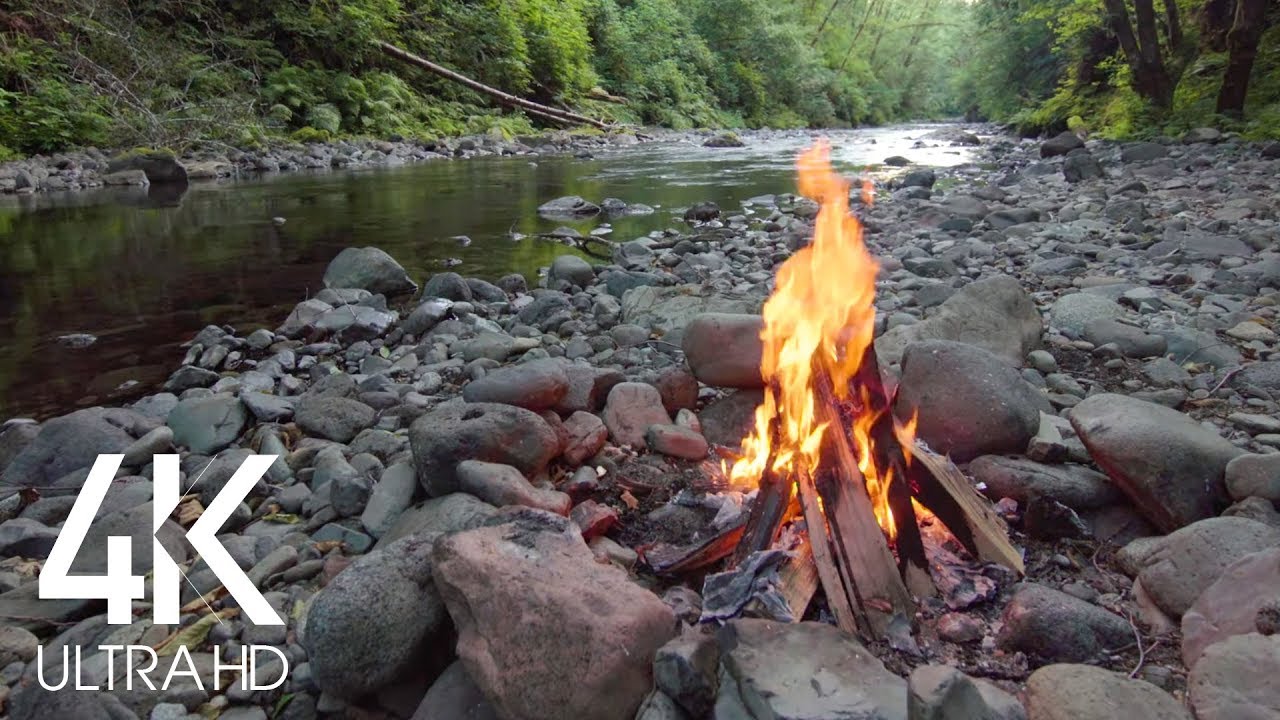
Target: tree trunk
x,y
1242,48
1215,22
1141,46
817,35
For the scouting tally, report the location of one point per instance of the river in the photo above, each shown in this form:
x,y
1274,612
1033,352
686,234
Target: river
x,y
144,271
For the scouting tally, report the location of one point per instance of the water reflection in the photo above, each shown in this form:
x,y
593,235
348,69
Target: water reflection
x,y
144,268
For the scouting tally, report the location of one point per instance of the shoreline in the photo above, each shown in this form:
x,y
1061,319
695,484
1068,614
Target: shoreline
x,y
1059,307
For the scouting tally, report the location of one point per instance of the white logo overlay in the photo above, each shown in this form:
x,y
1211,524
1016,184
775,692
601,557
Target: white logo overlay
x,y
120,587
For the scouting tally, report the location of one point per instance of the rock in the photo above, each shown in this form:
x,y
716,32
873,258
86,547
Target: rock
x,y
63,445
1170,466
390,499
1060,144
679,389
16,438
677,441
685,669
351,656
727,420
587,435
940,692
593,519
571,207
453,696
957,627
1236,679
493,346
1139,152
368,268
1072,313
1230,605
1133,342
207,425
536,385
1255,508
528,597
669,310
455,432
571,269
1201,135
447,286
427,315
334,418
658,706
1075,486
723,140
450,513
546,305
630,410
160,166
503,485
969,401
1052,626
1080,166
995,314
1183,563
1254,476
1250,330
805,670
1005,219
190,376
137,524
1085,692
17,645
725,350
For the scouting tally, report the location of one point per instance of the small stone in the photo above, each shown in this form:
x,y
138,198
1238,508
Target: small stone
x,y
960,628
940,692
677,441
630,410
593,519
1254,476
502,485
587,434
1250,330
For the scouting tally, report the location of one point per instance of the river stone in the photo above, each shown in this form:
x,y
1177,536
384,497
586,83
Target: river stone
x,y
669,310
65,444
1254,476
493,346
570,269
351,656
725,350
1133,341
160,166
1183,563
803,671
209,424
1261,379
533,607
1230,605
1169,465
630,410
1139,152
587,435
1052,626
453,696
1072,313
391,497
995,314
26,537
727,420
368,268
15,438
941,692
334,418
546,305
1236,679
502,485
1080,165
450,513
1075,486
570,207
447,286
686,670
969,401
454,432
137,524
1060,144
535,385
1085,692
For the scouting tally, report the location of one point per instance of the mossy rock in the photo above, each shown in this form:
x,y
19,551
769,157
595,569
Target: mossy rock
x,y
160,165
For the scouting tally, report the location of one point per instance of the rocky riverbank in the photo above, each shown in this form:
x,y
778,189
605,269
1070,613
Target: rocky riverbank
x,y
473,483
94,168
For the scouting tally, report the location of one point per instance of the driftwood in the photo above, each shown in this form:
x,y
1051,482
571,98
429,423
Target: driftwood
x,y
543,111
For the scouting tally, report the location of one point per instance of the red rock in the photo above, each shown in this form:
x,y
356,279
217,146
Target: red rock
x,y
593,519
586,433
1230,605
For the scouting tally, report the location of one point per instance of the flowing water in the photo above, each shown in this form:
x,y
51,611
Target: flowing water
x,y
144,270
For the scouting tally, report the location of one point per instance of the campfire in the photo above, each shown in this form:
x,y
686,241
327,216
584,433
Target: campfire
x,y
827,453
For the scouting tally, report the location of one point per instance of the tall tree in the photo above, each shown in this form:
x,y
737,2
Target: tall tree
x,y
1154,75
1242,49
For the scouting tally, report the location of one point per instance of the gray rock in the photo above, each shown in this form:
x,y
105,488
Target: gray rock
x,y
190,376
209,424
658,705
502,485
1188,345
1183,563
1080,166
536,385
669,310
995,314
570,207
727,420
14,439
547,305
1230,605
447,286
426,316
1170,466
1085,692
334,418
17,645
940,692
1236,679
1052,626
1005,219
725,350
1260,379
677,441
351,656
489,432
1140,152
804,670
1072,313
65,444
572,270
630,410
1254,476
368,268
268,408
1133,342
25,537
1060,144
391,497
969,401
137,525
454,696
1075,486
685,669
494,346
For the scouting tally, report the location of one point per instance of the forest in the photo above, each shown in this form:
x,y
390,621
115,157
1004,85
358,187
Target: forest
x,y
179,73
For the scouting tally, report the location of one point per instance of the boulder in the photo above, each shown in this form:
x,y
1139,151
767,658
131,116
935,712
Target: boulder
x,y
995,314
805,671
1085,692
968,401
534,608
447,286
207,425
63,445
1236,679
535,385
368,268
1079,166
1052,626
350,656
572,270
725,350
1249,476
570,207
454,432
1061,144
1169,465
1230,605
587,435
160,166
723,140
1184,563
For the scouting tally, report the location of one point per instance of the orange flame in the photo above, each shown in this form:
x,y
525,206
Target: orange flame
x,y
822,310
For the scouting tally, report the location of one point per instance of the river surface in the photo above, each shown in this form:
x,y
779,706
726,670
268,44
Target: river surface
x,y
143,271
